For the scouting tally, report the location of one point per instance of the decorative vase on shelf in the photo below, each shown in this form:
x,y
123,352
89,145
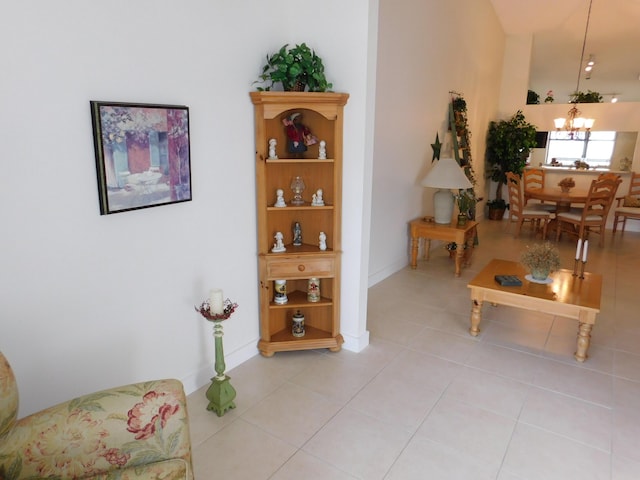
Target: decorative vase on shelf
x,y
297,186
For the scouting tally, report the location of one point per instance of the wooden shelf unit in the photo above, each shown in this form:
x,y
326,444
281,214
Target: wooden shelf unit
x,y
323,114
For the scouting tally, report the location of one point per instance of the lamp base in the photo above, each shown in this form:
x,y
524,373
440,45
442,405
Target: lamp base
x,y
443,206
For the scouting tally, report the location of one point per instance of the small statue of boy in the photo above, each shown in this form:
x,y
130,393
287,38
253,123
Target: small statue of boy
x,y
279,245
280,198
322,150
272,148
316,199
323,241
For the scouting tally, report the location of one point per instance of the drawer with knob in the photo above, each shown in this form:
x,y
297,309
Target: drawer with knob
x,y
301,267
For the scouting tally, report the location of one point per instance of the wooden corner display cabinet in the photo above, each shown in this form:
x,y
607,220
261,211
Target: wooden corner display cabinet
x,y
320,168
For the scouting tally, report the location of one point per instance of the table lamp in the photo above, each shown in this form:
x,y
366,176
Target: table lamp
x,y
445,175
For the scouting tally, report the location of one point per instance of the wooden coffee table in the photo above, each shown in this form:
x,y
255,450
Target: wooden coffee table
x,y
567,296
462,236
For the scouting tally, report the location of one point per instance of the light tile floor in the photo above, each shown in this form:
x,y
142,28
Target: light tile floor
x,y
427,400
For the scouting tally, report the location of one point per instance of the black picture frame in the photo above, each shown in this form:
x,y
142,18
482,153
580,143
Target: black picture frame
x,y
142,154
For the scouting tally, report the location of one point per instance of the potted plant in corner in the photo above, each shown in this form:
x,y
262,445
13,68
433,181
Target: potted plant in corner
x,y
297,69
508,145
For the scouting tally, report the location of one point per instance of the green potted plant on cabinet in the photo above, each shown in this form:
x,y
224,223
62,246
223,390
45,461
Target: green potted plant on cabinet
x,y
508,145
586,97
297,69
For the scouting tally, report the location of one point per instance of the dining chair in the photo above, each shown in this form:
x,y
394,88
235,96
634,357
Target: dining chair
x,y
520,212
533,178
593,216
628,206
610,175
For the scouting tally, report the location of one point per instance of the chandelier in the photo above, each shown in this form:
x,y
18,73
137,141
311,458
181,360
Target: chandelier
x,y
574,122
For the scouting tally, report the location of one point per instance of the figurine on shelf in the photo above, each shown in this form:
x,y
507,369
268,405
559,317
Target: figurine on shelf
x,y
280,198
322,241
279,245
272,148
297,234
317,200
322,151
299,136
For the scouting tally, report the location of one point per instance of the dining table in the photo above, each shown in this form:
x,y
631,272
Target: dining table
x,y
562,199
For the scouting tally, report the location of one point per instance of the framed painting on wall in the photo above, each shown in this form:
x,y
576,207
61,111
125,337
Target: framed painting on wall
x,y
142,155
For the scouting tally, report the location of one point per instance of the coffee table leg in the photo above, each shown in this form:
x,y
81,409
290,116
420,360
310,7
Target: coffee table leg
x,y
584,339
476,316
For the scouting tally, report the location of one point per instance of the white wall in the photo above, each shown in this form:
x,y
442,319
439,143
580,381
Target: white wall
x,y
426,49
92,301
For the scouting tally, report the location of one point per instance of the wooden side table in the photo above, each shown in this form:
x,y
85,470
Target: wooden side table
x,y
462,236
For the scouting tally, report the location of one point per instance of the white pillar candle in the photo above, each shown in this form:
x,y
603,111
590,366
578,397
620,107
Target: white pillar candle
x,y
578,249
216,303
584,252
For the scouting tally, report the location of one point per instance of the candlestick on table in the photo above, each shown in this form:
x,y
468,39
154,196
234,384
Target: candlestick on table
x,y
577,260
578,248
584,257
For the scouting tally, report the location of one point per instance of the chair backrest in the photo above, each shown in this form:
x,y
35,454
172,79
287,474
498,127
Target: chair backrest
x,y
8,396
634,186
516,203
533,178
609,175
602,193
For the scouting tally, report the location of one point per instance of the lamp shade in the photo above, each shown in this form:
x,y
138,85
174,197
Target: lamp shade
x,y
446,174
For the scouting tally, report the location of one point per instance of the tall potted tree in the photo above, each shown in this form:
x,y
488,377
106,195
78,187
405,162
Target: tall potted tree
x,y
508,145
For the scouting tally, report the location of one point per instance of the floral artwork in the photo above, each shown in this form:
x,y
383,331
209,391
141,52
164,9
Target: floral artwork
x,y
136,431
142,155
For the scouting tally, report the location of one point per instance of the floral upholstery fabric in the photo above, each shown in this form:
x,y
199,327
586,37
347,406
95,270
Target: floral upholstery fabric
x,y
137,431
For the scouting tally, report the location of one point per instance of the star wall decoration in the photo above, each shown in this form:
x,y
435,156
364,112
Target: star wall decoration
x,y
436,149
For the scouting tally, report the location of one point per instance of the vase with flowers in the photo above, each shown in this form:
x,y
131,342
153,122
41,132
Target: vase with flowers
x,y
566,184
549,97
541,259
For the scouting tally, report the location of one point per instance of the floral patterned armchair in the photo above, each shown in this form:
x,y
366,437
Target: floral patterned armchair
x,y
137,431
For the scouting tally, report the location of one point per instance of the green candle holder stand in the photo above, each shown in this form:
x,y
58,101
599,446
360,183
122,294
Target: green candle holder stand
x,y
221,394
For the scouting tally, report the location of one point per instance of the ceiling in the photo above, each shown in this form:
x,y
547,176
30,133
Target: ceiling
x,y
558,29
